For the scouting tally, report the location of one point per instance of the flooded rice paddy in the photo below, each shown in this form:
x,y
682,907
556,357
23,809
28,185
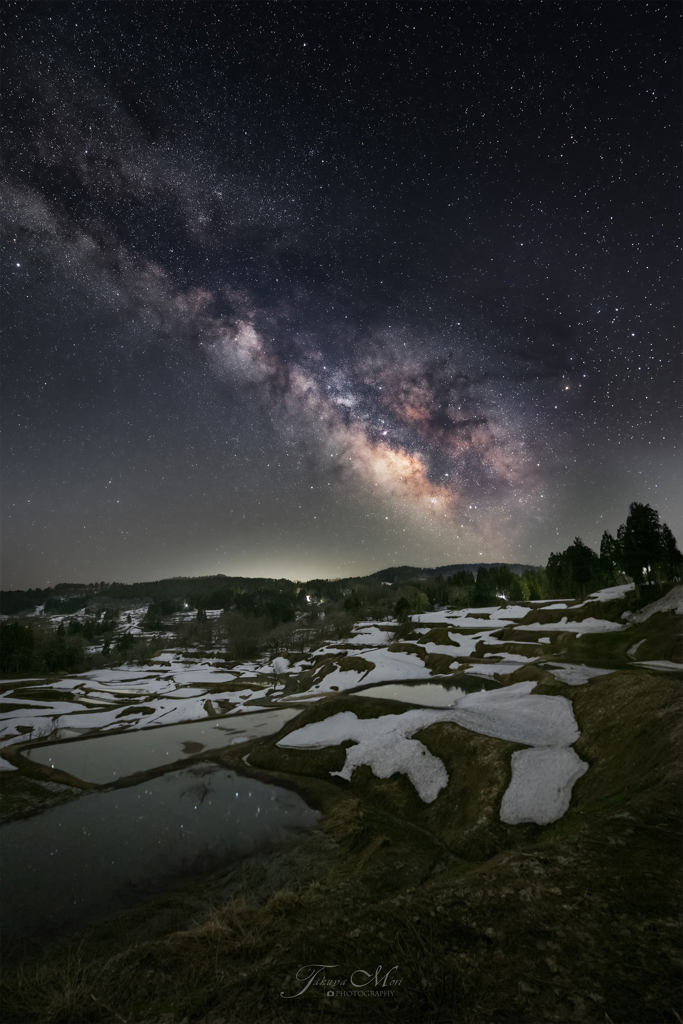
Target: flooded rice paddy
x,y
108,758
84,860
103,852
429,695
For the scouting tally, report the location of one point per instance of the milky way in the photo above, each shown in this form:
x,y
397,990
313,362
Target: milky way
x,y
312,289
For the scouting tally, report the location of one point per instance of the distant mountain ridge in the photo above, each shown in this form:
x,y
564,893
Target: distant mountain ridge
x,y
177,587
411,572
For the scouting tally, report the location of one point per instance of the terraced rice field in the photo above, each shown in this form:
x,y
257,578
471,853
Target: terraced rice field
x,y
496,806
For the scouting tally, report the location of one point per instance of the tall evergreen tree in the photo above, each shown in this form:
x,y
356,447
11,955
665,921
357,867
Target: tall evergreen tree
x,y
641,544
609,550
576,571
536,581
17,645
673,559
485,589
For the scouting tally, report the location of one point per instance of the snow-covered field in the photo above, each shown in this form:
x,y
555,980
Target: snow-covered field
x,y
169,689
463,645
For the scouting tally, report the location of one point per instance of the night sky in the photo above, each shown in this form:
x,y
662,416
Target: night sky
x,y
312,289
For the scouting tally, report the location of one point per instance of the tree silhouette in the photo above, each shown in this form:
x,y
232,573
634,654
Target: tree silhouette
x,y
576,571
673,559
609,551
641,545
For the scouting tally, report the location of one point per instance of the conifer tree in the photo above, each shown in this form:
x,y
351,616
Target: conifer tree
x,y
485,589
673,559
575,572
641,544
609,550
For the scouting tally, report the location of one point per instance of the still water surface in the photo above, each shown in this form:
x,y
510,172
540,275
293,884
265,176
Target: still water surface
x,y
104,759
430,695
82,861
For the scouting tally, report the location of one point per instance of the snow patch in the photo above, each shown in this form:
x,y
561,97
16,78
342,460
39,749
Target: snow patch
x,y
575,675
490,624
370,636
336,680
431,648
385,745
466,645
203,674
663,666
513,611
382,743
608,594
671,602
522,689
492,669
541,785
589,625
536,720
391,665
437,618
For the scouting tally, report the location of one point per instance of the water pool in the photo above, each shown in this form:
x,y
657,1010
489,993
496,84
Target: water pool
x,y
82,861
113,756
430,695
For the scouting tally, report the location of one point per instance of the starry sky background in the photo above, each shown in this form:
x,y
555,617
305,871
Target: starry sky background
x,y
312,289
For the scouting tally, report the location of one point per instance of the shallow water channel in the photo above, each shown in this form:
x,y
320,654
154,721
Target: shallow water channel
x,y
82,861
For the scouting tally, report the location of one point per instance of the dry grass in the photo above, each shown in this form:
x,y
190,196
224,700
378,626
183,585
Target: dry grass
x,y
20,793
544,934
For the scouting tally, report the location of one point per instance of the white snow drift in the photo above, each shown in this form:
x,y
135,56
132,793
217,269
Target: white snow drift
x,y
575,675
513,713
541,786
671,602
382,743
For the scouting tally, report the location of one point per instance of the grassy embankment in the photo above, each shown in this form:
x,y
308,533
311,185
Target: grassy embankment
x,y
574,922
